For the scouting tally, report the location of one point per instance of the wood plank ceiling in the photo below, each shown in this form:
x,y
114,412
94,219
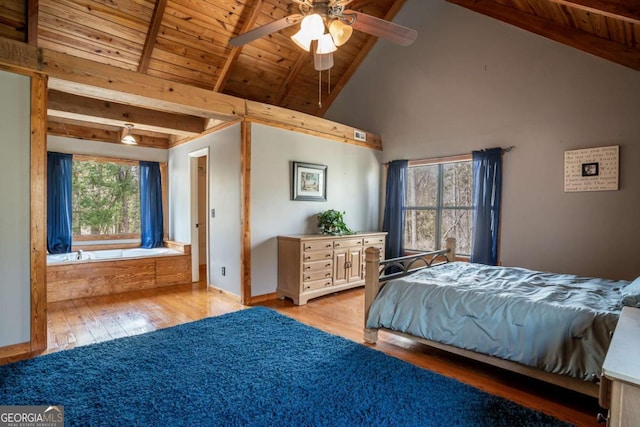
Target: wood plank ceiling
x,y
186,41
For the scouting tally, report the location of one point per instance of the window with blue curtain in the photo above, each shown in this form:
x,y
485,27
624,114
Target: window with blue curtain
x,y
59,174
487,189
152,226
393,222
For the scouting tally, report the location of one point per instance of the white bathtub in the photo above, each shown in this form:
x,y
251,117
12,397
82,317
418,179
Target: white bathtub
x,y
109,254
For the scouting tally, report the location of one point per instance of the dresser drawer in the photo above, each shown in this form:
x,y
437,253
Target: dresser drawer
x,y
317,284
373,241
309,276
317,255
308,267
317,245
347,243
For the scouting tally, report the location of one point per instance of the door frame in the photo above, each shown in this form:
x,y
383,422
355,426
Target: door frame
x,y
193,194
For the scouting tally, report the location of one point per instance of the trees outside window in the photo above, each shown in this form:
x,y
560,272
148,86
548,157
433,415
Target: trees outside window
x,y
105,200
438,205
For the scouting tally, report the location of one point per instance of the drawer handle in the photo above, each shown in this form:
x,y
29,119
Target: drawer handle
x,y
328,265
308,267
328,284
307,258
328,245
327,256
307,278
327,275
337,245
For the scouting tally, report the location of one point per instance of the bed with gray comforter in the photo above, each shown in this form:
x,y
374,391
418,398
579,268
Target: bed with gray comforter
x,y
558,323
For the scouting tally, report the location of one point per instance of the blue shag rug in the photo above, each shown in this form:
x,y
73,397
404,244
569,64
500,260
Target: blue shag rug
x,y
253,367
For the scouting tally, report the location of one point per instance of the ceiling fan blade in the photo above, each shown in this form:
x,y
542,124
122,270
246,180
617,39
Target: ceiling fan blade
x,y
265,30
380,28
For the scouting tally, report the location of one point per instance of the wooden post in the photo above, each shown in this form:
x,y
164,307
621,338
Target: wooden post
x,y
371,289
451,246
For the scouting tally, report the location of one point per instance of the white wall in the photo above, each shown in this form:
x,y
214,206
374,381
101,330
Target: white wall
x,y
471,82
224,196
352,186
15,263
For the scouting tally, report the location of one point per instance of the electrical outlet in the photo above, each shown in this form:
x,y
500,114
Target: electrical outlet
x,y
224,271
213,213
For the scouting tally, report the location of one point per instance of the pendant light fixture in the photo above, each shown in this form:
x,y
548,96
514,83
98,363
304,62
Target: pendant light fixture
x,y
127,137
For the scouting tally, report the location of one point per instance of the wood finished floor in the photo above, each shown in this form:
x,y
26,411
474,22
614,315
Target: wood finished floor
x,y
90,320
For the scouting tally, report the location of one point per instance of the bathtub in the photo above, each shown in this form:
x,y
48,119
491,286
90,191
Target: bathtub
x,y
109,254
110,271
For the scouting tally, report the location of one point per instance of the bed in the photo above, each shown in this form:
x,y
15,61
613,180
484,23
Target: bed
x,y
553,327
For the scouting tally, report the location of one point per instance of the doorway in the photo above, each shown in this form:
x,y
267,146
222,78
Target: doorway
x,y
199,172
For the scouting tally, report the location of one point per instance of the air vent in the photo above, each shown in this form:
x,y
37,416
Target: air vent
x,y
360,135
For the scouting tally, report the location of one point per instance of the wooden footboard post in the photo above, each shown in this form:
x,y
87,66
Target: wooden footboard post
x,y
451,246
371,289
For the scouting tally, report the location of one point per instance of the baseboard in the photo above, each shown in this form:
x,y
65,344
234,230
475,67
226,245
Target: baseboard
x,y
226,294
262,298
14,352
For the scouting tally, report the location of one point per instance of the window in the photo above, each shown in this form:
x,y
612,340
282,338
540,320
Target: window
x,y
105,199
439,204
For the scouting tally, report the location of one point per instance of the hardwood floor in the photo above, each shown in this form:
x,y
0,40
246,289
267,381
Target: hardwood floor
x,y
89,320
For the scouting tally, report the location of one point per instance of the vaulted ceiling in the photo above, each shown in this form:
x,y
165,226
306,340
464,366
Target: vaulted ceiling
x,y
187,41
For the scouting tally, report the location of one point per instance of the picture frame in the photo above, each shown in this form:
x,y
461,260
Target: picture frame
x,y
591,169
308,182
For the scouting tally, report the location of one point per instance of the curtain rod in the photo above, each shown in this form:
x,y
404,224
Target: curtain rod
x,y
445,159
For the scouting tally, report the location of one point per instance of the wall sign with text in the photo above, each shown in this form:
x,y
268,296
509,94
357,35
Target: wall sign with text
x,y
591,169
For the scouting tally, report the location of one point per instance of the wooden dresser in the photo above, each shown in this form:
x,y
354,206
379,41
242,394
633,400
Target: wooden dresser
x,y
313,265
620,387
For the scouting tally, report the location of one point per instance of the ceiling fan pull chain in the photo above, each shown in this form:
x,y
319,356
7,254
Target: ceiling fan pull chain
x,y
319,89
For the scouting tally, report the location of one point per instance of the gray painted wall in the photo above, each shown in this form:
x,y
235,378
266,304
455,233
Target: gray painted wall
x,y
353,180
224,196
470,82
15,226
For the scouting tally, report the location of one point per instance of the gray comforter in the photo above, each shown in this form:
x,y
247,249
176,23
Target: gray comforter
x,y
555,322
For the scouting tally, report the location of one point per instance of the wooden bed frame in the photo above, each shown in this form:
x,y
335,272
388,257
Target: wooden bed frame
x,y
376,277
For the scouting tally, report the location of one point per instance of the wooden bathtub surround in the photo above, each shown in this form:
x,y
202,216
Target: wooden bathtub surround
x,y
81,279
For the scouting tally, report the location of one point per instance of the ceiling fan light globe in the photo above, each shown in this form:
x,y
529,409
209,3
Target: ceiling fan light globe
x,y
302,39
325,45
129,140
322,62
313,26
340,32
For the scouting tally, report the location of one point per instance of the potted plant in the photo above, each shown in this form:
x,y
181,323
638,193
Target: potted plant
x,y
332,222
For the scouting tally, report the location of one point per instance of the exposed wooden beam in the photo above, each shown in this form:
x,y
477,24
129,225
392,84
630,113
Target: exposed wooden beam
x,y
21,56
618,9
586,42
88,78
235,51
245,211
83,77
152,34
38,213
306,123
90,133
32,22
371,41
79,76
284,90
92,110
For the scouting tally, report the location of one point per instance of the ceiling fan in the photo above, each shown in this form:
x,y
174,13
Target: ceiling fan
x,y
315,16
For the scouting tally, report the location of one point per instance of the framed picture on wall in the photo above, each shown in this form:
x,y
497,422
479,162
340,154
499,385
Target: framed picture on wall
x,y
309,182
